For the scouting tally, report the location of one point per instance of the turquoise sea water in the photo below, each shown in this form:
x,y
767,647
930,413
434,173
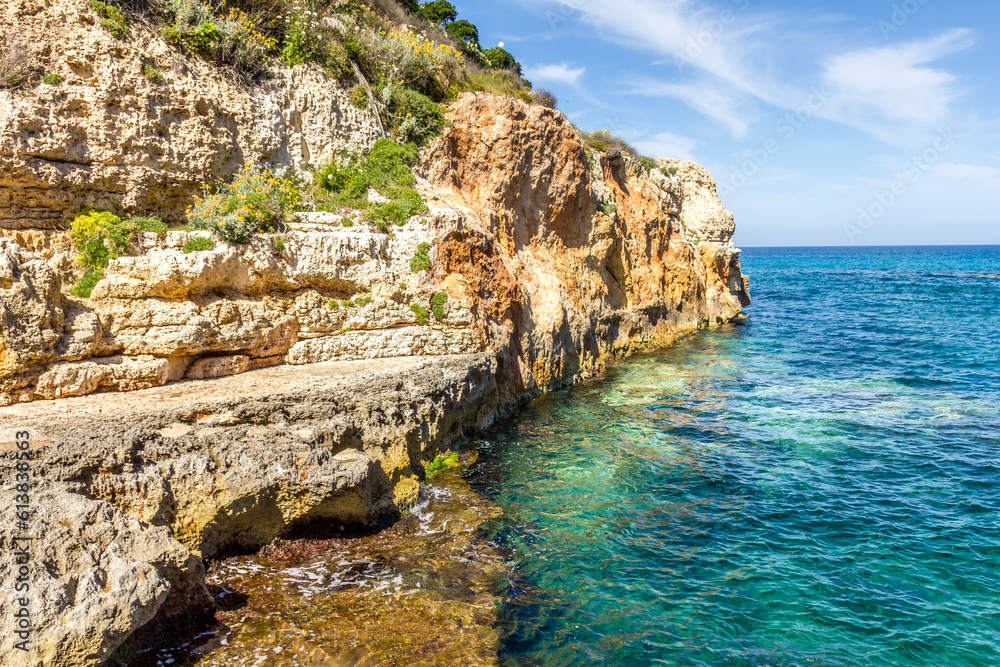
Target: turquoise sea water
x,y
817,486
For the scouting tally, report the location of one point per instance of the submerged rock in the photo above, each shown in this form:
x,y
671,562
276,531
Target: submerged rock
x,y
425,592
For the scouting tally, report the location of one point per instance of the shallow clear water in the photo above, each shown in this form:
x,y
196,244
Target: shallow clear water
x,y
818,486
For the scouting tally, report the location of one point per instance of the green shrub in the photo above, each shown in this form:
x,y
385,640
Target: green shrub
x,y
412,116
441,463
420,312
501,59
494,82
421,259
255,200
407,203
300,44
347,303
306,40
152,73
604,141
99,237
463,31
388,170
197,244
668,171
438,302
389,56
359,97
607,208
363,301
279,243
648,163
53,79
111,18
333,305
85,286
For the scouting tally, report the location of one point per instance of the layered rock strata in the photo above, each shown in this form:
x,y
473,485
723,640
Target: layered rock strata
x,y
208,401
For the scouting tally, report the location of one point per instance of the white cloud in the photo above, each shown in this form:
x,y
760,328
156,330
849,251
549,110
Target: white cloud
x,y
561,73
891,89
702,97
735,54
665,144
696,36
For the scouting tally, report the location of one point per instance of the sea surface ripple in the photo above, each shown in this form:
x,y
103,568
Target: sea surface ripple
x,y
817,486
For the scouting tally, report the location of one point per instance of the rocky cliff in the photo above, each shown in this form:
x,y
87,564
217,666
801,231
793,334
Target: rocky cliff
x,y
272,387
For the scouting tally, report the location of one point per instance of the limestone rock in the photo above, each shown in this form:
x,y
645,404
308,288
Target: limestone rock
x,y
703,215
32,313
412,341
217,367
116,373
108,138
96,577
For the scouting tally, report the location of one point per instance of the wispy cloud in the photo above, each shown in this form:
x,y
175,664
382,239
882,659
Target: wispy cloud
x,y
728,55
561,73
703,97
891,89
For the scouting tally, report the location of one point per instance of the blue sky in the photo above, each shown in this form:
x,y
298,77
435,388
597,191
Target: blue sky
x,y
825,123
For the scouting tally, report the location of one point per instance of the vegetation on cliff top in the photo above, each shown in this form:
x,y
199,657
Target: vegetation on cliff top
x,y
412,55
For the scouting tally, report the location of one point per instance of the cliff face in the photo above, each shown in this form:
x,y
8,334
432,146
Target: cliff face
x,y
109,138
293,411
572,259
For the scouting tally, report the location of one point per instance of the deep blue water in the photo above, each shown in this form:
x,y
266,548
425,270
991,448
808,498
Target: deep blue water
x,y
817,486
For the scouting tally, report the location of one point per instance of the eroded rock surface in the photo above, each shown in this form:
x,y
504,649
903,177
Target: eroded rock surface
x,y
214,400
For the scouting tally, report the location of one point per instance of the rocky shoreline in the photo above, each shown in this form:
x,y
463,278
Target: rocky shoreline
x,y
201,403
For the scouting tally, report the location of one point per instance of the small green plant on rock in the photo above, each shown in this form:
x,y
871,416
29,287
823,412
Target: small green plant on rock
x,y
359,97
363,301
85,286
144,224
606,207
279,244
668,171
347,303
53,79
332,304
99,237
420,312
112,18
438,302
152,73
421,259
441,463
197,244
